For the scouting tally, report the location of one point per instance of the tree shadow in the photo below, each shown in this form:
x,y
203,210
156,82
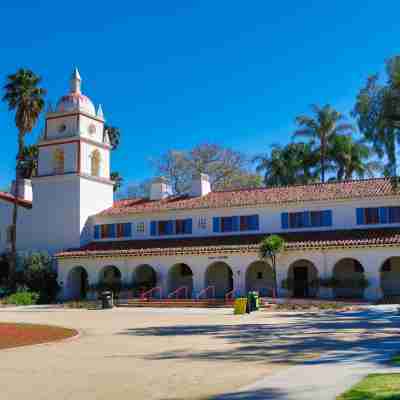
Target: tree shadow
x,y
301,338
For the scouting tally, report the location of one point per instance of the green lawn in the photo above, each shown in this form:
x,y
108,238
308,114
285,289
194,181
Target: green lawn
x,y
375,387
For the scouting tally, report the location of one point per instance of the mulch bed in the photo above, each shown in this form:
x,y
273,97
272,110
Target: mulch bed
x,y
16,335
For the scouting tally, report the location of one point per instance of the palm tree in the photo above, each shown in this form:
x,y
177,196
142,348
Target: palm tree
x,y
321,128
270,247
29,163
117,179
114,135
292,164
24,96
352,158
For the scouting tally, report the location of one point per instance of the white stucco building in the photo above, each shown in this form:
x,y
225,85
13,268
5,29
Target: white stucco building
x,y
342,239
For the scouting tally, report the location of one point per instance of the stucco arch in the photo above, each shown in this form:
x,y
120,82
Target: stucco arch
x,y
77,283
220,276
259,277
144,278
390,277
110,278
348,274
180,275
302,279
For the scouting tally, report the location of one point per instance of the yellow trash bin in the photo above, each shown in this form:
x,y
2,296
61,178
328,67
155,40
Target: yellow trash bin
x,y
240,305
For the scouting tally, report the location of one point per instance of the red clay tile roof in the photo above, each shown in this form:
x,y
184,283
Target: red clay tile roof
x,y
10,198
366,188
238,243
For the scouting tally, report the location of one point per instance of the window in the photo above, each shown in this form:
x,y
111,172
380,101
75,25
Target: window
x,y
203,223
10,233
394,215
58,161
95,163
171,227
107,231
306,219
140,227
378,215
236,223
372,215
296,220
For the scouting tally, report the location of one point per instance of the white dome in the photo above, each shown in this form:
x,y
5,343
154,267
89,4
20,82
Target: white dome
x,y
75,100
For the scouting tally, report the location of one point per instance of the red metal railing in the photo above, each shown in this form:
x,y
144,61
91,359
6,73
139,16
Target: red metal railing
x,y
206,290
149,293
229,295
181,289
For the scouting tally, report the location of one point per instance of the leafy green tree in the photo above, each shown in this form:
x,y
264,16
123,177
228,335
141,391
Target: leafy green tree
x,y
377,111
352,158
24,96
270,248
325,124
117,179
224,166
295,163
114,135
28,165
38,275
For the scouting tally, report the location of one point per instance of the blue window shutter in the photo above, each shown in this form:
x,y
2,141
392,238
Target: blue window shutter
x,y
170,227
306,219
383,215
360,216
327,218
235,224
97,231
153,228
127,230
112,230
285,220
188,226
216,224
254,222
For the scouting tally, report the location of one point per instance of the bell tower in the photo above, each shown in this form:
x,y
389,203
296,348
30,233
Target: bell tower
x,y
73,179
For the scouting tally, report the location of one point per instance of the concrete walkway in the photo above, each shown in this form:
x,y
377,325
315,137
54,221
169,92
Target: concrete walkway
x,y
330,375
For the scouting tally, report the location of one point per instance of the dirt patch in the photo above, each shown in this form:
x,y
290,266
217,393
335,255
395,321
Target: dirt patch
x,y
16,335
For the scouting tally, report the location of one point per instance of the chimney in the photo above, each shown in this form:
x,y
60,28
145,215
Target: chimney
x,y
160,189
200,185
24,189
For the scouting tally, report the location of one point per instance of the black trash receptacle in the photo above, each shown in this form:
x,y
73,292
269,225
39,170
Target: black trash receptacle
x,y
107,300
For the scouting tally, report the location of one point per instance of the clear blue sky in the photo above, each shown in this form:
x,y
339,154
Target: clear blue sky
x,y
173,74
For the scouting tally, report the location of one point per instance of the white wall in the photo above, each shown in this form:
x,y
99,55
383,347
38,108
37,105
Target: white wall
x,y
371,259
343,217
86,152
46,158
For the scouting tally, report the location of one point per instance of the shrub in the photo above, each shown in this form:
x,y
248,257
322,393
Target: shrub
x,y
38,276
22,298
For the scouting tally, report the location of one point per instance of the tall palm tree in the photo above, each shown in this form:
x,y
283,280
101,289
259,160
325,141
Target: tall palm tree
x,y
321,128
29,163
24,96
114,135
292,164
352,158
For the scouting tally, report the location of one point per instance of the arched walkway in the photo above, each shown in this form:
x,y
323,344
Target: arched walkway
x,y
259,278
348,275
78,284
145,278
180,275
390,277
220,276
110,279
303,279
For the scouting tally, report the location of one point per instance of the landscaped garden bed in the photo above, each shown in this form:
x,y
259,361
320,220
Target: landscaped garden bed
x,y
16,335
375,387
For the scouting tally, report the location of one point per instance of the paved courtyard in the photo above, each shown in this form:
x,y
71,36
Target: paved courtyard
x,y
190,354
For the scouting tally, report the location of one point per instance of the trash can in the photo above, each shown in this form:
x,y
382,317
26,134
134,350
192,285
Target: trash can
x,y
252,300
107,300
240,305
256,300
